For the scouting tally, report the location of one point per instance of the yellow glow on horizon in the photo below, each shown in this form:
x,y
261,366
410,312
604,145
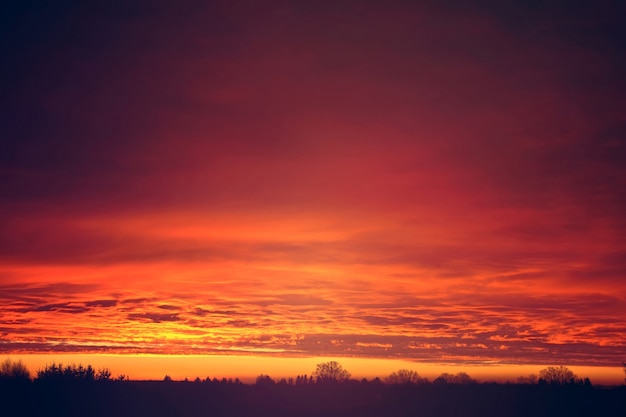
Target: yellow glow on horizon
x,y
248,367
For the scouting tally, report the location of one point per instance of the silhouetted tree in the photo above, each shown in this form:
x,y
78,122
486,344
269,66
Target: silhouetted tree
x,y
330,372
15,370
558,375
405,376
302,380
463,378
78,373
103,375
167,378
441,379
624,369
445,378
376,381
459,378
264,381
530,379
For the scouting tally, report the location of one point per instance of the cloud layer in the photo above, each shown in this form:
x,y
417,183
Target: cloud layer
x,y
345,178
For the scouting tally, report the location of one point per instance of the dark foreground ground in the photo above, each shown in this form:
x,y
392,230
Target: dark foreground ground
x,y
153,398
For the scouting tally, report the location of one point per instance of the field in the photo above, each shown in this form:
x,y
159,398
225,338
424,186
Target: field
x,y
353,398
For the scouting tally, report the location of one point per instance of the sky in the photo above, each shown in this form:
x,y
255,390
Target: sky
x,y
435,183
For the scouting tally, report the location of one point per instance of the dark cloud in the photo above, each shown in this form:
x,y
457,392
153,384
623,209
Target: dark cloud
x,y
68,134
35,291
204,312
101,303
64,347
240,324
154,317
138,300
61,307
168,307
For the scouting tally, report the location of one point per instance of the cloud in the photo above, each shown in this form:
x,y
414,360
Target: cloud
x,y
168,307
61,307
101,303
30,291
300,300
203,312
409,182
154,317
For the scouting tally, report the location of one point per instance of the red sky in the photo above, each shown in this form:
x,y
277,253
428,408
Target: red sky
x,y
389,180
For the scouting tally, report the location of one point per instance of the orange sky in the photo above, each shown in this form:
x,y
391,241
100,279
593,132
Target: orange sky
x,y
353,180
247,368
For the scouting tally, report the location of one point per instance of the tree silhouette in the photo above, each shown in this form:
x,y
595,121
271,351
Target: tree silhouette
x,y
330,372
624,369
14,370
530,379
303,380
75,373
463,378
264,380
459,378
103,375
405,376
558,375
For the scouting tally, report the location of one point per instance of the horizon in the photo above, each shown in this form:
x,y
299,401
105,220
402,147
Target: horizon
x,y
271,181
149,367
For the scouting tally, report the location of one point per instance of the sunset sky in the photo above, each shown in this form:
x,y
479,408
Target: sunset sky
x,y
437,183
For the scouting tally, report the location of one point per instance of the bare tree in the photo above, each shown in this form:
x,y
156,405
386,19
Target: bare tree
x,y
405,376
330,372
14,370
464,378
459,378
530,379
558,375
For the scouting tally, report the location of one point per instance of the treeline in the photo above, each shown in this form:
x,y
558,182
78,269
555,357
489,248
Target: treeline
x,y
76,390
16,370
325,373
